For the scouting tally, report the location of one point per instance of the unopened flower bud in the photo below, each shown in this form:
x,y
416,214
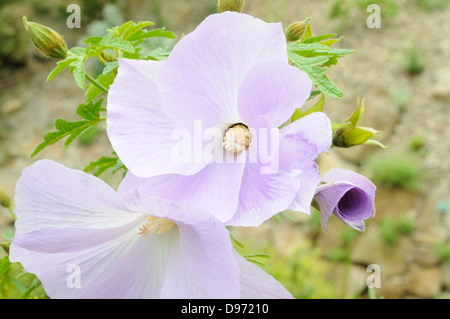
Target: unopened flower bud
x,y
5,200
107,57
350,134
347,136
230,5
46,40
296,29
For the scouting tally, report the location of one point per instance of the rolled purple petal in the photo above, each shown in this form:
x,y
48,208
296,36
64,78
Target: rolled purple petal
x,y
347,195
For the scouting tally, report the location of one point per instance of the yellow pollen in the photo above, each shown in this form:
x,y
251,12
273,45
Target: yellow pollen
x,y
237,138
155,225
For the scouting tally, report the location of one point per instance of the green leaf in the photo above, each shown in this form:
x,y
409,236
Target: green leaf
x,y
309,65
318,38
89,111
158,54
330,42
5,247
313,94
95,40
101,165
308,32
375,142
78,57
129,28
4,266
356,116
108,42
318,107
359,135
110,66
306,49
61,65
162,33
92,91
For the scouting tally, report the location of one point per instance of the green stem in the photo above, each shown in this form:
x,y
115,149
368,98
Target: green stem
x,y
93,81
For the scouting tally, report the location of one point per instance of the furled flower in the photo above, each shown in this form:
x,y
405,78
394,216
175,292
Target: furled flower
x,y
84,240
228,85
347,195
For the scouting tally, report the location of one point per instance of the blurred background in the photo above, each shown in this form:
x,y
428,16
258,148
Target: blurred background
x,y
401,69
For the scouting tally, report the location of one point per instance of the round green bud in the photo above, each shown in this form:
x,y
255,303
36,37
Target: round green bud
x,y
46,40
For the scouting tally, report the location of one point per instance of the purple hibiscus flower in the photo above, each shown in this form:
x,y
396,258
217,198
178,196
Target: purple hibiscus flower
x,y
230,80
84,240
347,195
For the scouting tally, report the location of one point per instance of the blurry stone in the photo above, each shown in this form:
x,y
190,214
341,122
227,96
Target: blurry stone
x,y
392,203
441,86
429,215
370,248
11,106
357,281
286,238
446,274
4,153
392,287
424,249
425,282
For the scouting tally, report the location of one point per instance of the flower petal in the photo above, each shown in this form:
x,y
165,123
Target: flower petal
x,y
257,284
309,179
204,256
308,136
48,191
142,135
89,246
327,197
214,189
273,89
314,129
341,174
268,185
204,71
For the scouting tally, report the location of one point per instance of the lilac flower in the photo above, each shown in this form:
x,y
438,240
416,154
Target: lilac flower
x,y
83,240
346,194
231,74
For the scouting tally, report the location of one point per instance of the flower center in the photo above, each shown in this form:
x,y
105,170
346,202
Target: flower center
x,y
237,137
155,225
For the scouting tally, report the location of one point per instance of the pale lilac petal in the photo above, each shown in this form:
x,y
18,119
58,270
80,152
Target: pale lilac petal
x,y
204,71
265,193
314,129
142,135
257,284
193,259
55,256
204,255
273,89
48,194
214,189
309,180
308,136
